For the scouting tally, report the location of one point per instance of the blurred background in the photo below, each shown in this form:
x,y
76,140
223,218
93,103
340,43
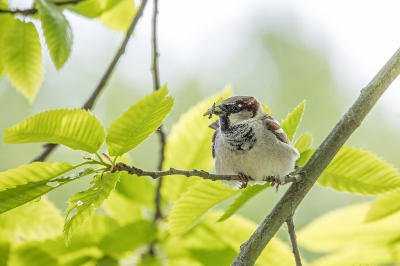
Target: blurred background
x,y
281,52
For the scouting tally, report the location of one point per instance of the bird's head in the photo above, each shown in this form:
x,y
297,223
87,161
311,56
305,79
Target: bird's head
x,y
237,109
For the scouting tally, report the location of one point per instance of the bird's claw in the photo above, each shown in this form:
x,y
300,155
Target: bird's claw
x,y
245,180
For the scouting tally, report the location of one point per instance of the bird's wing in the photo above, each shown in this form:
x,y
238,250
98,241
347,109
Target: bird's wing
x,y
275,128
213,143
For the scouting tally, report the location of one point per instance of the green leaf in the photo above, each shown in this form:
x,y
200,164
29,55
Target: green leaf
x,y
212,237
22,57
123,209
28,182
87,201
345,228
5,248
139,122
357,171
292,120
57,32
304,142
189,151
6,20
384,206
92,8
304,157
195,202
36,221
266,109
76,129
27,255
244,197
120,16
136,188
128,238
360,256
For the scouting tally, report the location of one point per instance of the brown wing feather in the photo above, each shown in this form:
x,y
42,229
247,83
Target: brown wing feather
x,y
213,143
275,128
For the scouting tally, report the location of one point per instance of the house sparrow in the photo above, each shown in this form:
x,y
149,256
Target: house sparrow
x,y
249,142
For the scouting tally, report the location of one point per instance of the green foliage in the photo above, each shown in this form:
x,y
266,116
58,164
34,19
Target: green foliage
x,y
189,151
244,197
93,8
136,188
304,157
139,122
5,22
357,171
344,228
76,129
128,238
194,203
354,256
28,182
384,206
304,143
221,241
22,57
266,109
122,209
292,120
56,30
86,202
35,221
31,256
120,16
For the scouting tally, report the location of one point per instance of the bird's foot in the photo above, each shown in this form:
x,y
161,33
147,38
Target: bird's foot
x,y
277,182
245,179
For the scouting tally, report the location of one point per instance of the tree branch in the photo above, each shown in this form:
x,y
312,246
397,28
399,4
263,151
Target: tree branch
x,y
293,239
32,11
252,248
156,86
48,148
200,173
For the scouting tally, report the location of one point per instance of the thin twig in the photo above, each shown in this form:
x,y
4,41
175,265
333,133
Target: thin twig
x,y
48,148
32,11
200,173
156,86
292,234
287,205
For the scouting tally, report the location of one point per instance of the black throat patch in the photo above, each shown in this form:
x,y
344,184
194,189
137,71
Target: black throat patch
x,y
240,137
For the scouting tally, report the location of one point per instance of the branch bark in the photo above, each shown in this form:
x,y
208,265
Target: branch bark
x,y
32,11
292,234
156,86
287,205
200,173
48,148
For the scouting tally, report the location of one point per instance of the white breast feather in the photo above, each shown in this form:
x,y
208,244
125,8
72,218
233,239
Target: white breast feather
x,y
268,157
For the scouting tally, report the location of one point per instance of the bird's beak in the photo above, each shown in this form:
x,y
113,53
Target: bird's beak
x,y
215,110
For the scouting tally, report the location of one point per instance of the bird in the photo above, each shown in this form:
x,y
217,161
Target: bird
x,y
250,143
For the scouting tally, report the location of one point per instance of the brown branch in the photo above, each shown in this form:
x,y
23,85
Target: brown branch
x,y
32,11
156,86
287,205
200,173
48,148
292,234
